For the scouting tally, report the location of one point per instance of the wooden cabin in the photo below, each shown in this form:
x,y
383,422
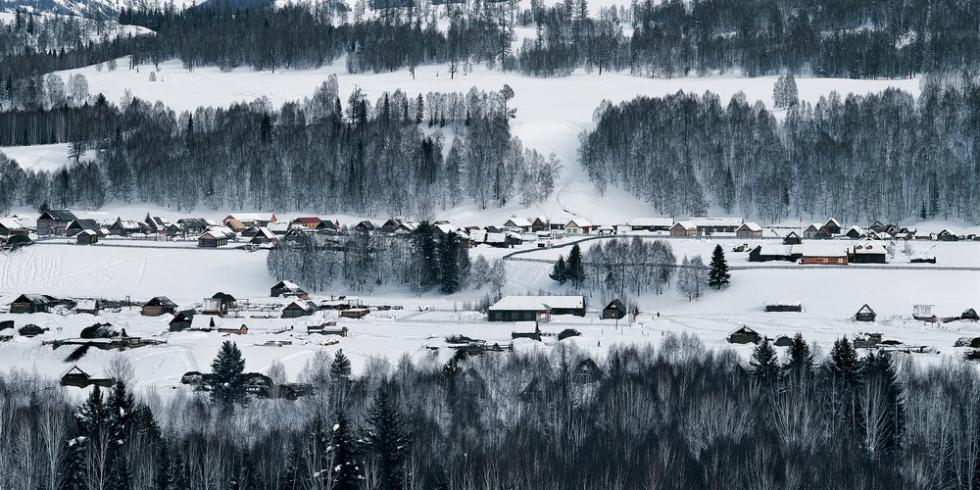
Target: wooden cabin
x,y
744,335
832,226
531,308
241,330
795,307
125,227
10,227
288,289
327,328
792,238
615,310
213,238
299,308
158,306
182,320
54,221
683,229
868,253
748,230
354,313
865,314
80,379
32,303
86,237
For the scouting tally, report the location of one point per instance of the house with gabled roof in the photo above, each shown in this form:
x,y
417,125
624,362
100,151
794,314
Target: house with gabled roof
x,y
54,221
213,238
865,314
748,230
288,289
517,224
125,227
11,226
79,225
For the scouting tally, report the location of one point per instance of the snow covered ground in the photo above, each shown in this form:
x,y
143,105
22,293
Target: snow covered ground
x,y
830,297
47,158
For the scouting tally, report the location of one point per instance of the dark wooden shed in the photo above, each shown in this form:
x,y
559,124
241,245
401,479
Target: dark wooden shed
x,y
615,310
744,335
158,306
865,314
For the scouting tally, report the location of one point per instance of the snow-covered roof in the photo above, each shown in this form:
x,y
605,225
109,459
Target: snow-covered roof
x,y
11,224
216,233
128,224
495,238
579,222
248,217
651,222
538,303
687,225
287,284
869,248
822,250
749,225
701,221
778,249
517,222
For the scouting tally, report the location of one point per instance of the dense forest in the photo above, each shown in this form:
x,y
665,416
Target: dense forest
x,y
675,417
882,156
672,38
425,153
362,262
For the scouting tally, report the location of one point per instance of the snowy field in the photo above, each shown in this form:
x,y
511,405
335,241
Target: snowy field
x,y
551,112
46,158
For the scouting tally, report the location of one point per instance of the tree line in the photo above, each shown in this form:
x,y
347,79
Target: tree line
x,y
677,416
753,37
882,156
318,154
424,261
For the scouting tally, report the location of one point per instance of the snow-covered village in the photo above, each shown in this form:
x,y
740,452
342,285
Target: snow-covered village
x,y
469,244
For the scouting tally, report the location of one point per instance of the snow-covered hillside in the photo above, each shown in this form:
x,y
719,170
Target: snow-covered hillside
x,y
551,112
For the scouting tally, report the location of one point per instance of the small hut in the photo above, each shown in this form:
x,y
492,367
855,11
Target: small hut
x,y
158,306
744,335
86,237
182,320
865,314
615,310
792,238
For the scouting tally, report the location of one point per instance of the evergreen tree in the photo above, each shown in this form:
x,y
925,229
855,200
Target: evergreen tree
x,y
387,438
347,472
227,382
449,263
575,269
800,361
425,249
718,277
340,368
558,272
765,362
844,362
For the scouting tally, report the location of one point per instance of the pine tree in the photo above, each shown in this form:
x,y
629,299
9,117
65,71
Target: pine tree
x,y
347,472
449,264
340,368
844,362
765,362
719,277
227,381
386,438
800,359
575,269
558,272
424,247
